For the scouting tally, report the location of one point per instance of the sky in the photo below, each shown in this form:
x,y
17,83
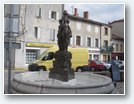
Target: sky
x,y
99,12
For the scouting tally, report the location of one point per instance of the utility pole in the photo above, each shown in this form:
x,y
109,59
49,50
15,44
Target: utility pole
x,y
12,15
9,49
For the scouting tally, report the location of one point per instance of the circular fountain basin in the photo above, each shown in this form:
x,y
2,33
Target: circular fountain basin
x,y
39,83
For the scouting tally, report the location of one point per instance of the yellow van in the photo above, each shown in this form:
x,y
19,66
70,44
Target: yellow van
x,y
45,60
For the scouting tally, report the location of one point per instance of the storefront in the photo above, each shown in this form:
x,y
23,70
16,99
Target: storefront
x,y
94,54
118,56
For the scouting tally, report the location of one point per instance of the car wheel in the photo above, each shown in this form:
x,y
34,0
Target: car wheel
x,y
41,69
92,69
105,68
79,69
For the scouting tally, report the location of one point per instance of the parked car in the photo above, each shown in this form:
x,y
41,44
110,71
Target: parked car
x,y
107,65
96,65
119,63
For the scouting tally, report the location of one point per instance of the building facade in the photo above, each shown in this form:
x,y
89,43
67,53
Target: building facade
x,y
38,23
118,50
106,46
117,39
91,34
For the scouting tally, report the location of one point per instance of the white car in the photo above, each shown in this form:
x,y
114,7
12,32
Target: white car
x,y
121,65
107,66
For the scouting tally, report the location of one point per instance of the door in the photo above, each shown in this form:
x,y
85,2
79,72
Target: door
x,y
47,60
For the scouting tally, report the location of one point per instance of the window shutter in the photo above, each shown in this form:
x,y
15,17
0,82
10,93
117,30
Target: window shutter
x,y
91,42
38,33
49,15
71,41
98,42
50,34
81,43
57,16
86,41
94,42
75,40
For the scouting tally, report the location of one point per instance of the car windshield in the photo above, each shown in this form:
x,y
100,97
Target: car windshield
x,y
41,54
98,62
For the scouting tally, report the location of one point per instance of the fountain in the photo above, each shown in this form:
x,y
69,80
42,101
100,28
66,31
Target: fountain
x,y
61,79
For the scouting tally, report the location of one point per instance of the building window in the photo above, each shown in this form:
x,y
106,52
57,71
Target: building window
x,y
52,34
116,47
106,31
89,42
89,28
53,15
96,29
36,32
121,48
78,40
96,57
105,44
90,57
38,13
78,26
31,55
96,43
104,58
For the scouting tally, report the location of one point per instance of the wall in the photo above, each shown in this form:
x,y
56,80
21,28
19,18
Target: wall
x,y
118,29
28,21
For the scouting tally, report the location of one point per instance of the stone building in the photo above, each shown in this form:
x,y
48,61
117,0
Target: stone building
x,y
91,34
38,23
117,39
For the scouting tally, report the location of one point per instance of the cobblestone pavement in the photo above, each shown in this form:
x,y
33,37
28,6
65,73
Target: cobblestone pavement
x,y
120,87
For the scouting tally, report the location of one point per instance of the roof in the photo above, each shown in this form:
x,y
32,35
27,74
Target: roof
x,y
86,20
120,20
116,37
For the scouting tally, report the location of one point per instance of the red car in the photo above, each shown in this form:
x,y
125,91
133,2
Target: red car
x,y
96,65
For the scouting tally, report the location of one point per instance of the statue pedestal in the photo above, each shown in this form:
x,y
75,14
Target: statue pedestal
x,y
62,66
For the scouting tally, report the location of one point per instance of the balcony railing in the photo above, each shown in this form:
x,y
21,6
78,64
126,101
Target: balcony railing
x,y
106,50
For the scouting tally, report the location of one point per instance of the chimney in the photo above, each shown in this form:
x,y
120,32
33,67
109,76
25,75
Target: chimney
x,y
85,14
75,12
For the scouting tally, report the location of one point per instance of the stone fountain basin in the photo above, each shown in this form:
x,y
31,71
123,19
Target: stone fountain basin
x,y
39,83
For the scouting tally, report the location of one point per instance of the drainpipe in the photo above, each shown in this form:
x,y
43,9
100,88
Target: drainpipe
x,y
62,9
100,43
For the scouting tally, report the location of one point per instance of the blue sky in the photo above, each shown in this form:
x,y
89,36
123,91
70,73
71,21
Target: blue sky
x,y
99,12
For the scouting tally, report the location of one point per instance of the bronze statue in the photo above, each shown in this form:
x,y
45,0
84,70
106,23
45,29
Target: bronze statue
x,y
64,33
62,64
